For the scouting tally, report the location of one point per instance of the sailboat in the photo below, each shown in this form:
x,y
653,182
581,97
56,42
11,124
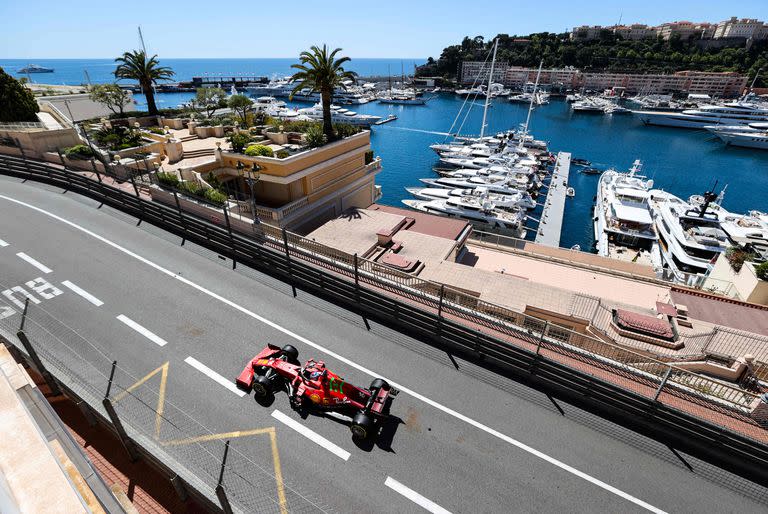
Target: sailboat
x,y
402,97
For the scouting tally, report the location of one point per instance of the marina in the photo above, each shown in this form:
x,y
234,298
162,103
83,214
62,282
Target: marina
x,y
551,224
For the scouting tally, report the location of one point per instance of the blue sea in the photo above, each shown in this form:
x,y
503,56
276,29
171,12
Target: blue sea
x,y
73,71
684,162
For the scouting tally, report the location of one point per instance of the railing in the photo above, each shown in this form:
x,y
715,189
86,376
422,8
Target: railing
x,y
674,404
22,125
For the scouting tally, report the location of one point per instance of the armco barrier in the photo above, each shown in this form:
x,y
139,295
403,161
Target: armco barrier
x,y
673,407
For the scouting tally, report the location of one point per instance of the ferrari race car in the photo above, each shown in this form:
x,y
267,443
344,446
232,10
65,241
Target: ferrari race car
x,y
314,385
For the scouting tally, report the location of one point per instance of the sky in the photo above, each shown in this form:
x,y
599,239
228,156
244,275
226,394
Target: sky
x,y
394,28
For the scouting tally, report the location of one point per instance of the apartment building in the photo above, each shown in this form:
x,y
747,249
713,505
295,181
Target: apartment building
x,y
518,77
745,27
586,32
635,32
477,71
686,30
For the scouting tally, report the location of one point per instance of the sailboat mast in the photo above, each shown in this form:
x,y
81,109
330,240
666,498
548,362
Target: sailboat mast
x,y
530,106
141,38
488,91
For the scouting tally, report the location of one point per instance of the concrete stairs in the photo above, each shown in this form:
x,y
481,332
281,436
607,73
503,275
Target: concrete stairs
x,y
190,137
203,152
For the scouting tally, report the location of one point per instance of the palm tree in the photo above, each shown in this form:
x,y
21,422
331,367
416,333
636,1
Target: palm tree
x,y
320,72
134,65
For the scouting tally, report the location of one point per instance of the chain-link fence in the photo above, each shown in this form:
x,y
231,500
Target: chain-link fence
x,y
251,480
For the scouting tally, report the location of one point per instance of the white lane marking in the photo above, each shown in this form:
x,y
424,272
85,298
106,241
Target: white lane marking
x,y
311,435
415,497
82,292
143,331
37,264
401,387
205,370
3,243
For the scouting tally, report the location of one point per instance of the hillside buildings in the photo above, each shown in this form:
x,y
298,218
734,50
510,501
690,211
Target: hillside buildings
x,y
725,84
746,28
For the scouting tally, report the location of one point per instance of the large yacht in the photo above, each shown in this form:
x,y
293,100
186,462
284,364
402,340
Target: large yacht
x,y
622,218
516,200
690,236
340,115
35,68
482,214
749,138
732,113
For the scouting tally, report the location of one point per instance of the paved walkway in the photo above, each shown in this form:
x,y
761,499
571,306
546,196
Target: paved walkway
x,y
552,216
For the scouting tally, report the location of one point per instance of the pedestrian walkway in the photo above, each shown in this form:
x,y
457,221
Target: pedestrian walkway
x,y
554,208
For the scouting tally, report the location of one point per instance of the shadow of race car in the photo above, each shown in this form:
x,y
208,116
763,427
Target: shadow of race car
x,y
315,386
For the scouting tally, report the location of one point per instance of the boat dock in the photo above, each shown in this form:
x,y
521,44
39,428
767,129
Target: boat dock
x,y
552,216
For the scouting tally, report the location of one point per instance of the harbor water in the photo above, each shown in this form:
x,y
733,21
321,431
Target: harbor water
x,y
682,161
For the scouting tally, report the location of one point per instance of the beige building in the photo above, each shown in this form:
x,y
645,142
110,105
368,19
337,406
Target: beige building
x,y
686,30
518,77
635,32
586,32
745,27
477,72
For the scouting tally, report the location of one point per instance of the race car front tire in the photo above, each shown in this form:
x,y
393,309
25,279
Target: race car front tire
x,y
362,425
262,386
379,383
291,352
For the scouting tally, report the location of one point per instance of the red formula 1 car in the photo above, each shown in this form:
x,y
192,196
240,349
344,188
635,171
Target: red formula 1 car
x,y
314,385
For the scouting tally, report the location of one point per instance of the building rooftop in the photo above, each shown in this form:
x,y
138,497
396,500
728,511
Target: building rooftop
x,y
355,230
426,223
724,311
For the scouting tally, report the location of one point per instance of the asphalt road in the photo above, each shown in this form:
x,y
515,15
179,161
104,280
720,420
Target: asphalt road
x,y
461,438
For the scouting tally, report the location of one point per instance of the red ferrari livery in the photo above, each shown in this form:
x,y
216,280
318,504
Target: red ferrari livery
x,y
314,385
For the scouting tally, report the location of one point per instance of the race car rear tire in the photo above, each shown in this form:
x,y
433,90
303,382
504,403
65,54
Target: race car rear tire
x,y
291,352
362,425
262,386
379,383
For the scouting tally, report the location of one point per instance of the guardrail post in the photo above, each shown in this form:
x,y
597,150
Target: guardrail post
x,y
54,387
178,486
96,170
231,239
440,311
21,149
181,217
66,171
541,338
133,181
87,414
357,292
662,384
24,313
220,492
288,260
133,455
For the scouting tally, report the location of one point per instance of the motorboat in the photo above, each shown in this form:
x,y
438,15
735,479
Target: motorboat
x,y
35,68
389,118
580,162
690,235
732,113
749,138
482,215
590,171
516,200
495,183
340,115
587,105
612,108
570,192
622,218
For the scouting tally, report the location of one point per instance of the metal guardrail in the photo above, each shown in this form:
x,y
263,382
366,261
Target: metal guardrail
x,y
583,369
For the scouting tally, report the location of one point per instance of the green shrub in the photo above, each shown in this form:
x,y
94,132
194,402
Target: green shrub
x,y
343,130
191,188
761,271
315,136
157,130
738,256
239,141
214,196
82,152
168,179
118,138
259,150
369,157
282,154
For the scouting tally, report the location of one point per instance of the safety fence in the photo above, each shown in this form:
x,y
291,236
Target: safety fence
x,y
673,404
143,418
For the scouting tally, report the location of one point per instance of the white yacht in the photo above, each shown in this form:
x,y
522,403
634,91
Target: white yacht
x,y
502,184
587,105
516,200
732,113
622,218
340,115
749,138
482,215
690,236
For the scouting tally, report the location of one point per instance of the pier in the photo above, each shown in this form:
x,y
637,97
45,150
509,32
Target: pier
x,y
552,216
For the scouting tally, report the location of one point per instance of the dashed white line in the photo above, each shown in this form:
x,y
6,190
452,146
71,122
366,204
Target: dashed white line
x,y
402,388
143,331
37,264
311,435
205,370
415,497
82,292
3,243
